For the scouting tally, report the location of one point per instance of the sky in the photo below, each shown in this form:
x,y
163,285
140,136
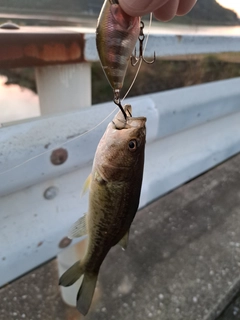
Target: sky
x,y
231,4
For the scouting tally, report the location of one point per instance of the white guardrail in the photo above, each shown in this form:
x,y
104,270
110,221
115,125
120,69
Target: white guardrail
x,y
189,131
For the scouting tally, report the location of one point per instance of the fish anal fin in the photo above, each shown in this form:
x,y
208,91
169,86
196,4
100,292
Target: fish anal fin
x,y
124,241
86,292
78,229
72,274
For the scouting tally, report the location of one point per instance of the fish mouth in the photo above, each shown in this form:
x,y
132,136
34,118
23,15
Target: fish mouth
x,y
120,122
137,118
136,122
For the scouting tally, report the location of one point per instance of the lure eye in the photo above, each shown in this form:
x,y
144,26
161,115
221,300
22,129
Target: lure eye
x,y
132,145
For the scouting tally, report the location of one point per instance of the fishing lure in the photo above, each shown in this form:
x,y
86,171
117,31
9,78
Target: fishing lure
x,y
116,37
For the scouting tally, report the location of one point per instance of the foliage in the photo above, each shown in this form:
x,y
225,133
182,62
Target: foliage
x,y
211,11
205,11
162,75
165,75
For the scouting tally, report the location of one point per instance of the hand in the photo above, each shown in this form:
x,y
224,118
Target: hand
x,y
162,9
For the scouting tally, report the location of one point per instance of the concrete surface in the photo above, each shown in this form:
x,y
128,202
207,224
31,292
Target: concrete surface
x,y
232,312
183,261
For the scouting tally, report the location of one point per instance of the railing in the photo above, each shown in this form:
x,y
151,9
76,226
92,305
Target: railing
x,y
44,161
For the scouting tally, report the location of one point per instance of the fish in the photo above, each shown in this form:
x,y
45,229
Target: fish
x,y
116,36
114,192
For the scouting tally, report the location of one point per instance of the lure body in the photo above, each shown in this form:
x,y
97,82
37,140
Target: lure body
x,y
116,37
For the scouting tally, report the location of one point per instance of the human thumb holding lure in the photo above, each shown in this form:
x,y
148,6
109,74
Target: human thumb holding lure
x,y
163,10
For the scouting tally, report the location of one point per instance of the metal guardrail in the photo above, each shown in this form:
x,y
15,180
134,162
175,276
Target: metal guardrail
x,y
188,131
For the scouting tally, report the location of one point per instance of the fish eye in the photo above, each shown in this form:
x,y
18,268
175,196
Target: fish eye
x,y
132,145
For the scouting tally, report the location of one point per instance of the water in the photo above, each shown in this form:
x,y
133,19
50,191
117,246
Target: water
x,y
17,103
169,28
88,24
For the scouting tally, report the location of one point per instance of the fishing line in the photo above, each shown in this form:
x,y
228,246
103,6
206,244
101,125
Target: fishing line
x,y
140,63
60,145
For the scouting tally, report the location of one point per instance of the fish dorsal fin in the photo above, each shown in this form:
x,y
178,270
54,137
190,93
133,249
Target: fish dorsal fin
x,y
124,241
78,229
86,185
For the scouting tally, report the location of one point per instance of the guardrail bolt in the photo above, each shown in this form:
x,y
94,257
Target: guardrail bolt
x,y
9,26
59,156
65,242
50,193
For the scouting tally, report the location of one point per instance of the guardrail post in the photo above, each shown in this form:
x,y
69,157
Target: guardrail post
x,y
64,87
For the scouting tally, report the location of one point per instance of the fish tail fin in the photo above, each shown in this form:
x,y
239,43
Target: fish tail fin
x,y
71,275
86,291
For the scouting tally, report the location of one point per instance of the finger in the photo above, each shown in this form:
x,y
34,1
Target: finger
x,y
140,8
167,11
185,6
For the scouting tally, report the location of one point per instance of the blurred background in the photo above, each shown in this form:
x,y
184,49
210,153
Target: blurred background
x,y
207,17
19,100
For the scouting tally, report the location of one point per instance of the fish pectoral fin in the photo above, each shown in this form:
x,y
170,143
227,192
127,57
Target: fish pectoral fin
x,y
86,185
124,241
86,292
78,229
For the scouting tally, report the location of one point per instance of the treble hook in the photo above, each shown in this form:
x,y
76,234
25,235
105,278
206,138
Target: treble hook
x,y
134,59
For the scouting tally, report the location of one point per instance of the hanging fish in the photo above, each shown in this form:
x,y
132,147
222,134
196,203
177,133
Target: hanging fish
x,y
116,37
114,191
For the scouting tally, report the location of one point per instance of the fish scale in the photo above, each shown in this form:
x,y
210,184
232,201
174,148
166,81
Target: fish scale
x,y
114,192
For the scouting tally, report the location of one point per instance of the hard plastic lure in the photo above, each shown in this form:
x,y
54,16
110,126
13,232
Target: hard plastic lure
x,y
116,37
